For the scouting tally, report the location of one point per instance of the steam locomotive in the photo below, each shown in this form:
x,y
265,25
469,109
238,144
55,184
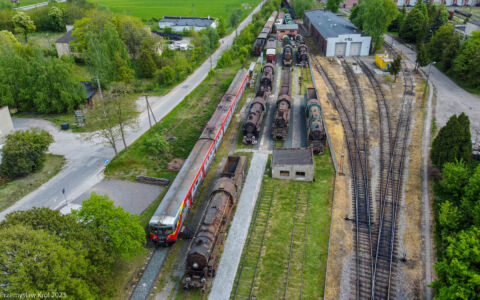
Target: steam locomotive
x,y
302,55
287,55
268,73
203,252
282,114
316,136
253,123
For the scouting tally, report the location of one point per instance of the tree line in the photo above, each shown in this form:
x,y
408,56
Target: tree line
x,y
457,211
426,26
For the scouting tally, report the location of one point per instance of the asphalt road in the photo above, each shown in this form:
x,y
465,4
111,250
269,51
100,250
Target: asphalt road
x,y
86,158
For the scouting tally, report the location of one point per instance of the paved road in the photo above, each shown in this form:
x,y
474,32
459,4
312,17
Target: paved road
x,y
85,159
29,7
451,98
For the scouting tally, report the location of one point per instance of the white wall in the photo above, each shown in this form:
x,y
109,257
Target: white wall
x,y
349,38
163,25
6,125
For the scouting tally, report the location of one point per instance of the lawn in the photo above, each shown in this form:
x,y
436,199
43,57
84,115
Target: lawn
x,y
147,9
272,266
12,191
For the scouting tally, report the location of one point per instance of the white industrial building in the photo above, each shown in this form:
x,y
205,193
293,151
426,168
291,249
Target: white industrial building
x,y
179,24
335,35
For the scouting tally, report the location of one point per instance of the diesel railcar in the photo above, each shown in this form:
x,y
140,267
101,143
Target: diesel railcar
x,y
316,135
271,51
170,215
282,114
253,123
203,252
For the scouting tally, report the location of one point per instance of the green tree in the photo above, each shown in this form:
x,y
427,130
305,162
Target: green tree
x,y
24,152
166,75
124,107
55,16
443,37
235,17
414,27
6,23
466,64
455,177
33,261
396,67
146,64
131,31
221,27
8,40
122,230
438,16
333,5
87,27
23,24
458,271
83,240
299,6
422,56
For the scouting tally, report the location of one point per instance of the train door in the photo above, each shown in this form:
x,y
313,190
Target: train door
x,y
340,49
355,48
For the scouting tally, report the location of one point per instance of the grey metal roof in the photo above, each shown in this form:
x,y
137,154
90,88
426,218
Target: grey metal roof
x,y
66,38
287,26
292,156
329,24
476,22
187,21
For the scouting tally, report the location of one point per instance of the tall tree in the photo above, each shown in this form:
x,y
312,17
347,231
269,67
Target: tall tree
x,y
55,17
396,67
23,24
467,63
422,56
122,230
443,37
131,31
235,17
299,6
414,27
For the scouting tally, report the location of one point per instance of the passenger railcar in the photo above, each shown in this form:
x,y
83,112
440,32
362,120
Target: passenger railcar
x,y
253,123
316,135
203,253
282,114
170,215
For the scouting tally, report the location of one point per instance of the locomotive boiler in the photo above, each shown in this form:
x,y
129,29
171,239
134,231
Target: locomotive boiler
x,y
203,252
282,114
268,73
287,55
316,135
253,123
302,55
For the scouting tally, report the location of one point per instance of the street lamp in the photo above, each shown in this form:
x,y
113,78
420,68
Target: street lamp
x,y
429,68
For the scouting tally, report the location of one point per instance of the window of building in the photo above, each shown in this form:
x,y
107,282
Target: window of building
x,y
300,174
284,173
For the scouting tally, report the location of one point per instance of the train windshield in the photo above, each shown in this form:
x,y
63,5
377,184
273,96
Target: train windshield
x,y
160,230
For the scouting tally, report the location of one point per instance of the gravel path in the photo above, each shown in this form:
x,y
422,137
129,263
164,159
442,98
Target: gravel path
x,y
150,275
227,268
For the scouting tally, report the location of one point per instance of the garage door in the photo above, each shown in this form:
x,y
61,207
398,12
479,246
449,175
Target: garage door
x,y
355,48
340,49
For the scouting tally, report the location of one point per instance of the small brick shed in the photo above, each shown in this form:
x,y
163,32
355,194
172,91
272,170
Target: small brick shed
x,y
293,164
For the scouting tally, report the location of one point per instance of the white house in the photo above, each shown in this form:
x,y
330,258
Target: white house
x,y
335,35
179,24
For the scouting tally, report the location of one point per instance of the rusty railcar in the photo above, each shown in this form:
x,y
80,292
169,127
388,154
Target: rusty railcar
x,y
253,123
266,81
259,43
271,52
166,222
302,55
282,114
203,253
287,55
316,135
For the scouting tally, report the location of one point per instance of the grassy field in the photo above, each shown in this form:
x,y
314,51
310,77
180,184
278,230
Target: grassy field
x,y
147,9
12,191
270,280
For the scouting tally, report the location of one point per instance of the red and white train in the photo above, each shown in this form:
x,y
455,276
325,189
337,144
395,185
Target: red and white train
x,y
170,215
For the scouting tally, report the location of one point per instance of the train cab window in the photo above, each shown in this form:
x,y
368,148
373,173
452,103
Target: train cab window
x,y
300,174
285,173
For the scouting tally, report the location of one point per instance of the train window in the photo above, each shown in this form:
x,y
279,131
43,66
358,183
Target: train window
x,y
284,173
300,174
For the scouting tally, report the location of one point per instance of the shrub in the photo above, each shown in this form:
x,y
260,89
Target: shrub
x,y
24,152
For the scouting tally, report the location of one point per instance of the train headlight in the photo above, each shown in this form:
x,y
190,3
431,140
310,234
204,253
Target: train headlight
x,y
188,279
195,265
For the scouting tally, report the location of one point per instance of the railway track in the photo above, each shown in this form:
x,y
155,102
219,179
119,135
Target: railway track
x,y
357,146
244,286
294,276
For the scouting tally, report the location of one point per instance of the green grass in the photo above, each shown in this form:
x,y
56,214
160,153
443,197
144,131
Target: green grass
x,y
147,9
272,266
12,191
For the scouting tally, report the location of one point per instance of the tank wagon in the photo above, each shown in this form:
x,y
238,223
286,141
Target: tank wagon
x,y
287,55
253,123
271,50
259,43
203,253
302,55
316,136
170,215
268,74
282,114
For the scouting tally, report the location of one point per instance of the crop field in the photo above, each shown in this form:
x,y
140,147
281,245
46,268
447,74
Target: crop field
x,y
147,9
286,252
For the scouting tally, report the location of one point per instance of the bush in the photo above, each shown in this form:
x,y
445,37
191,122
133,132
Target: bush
x,y
156,144
24,152
166,75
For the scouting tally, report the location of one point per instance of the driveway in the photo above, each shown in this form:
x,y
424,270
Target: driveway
x,y
85,159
